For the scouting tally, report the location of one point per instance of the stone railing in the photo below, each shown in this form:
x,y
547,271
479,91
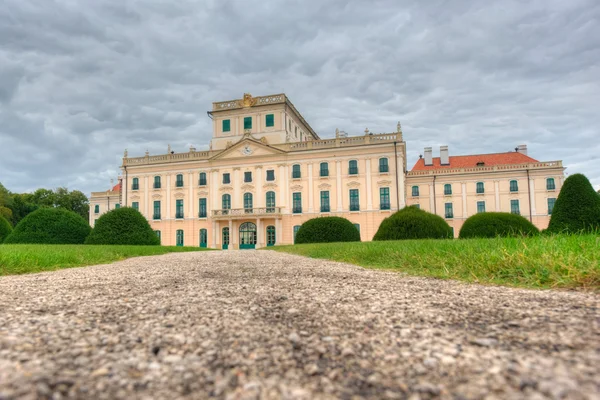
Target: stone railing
x,y
504,167
342,142
165,158
256,101
246,212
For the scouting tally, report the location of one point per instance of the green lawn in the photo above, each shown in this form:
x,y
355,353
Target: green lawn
x,y
26,258
537,262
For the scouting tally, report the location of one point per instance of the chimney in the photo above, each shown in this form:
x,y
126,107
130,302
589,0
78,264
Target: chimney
x,y
428,156
444,157
522,148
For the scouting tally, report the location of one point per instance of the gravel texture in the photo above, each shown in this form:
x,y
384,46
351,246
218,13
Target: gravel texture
x,y
261,324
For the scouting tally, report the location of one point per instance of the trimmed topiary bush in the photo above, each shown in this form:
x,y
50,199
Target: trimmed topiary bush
x,y
123,226
50,226
577,208
5,228
327,230
494,224
413,223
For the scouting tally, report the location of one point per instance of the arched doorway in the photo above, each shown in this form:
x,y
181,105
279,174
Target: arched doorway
x,y
247,235
225,238
270,235
203,237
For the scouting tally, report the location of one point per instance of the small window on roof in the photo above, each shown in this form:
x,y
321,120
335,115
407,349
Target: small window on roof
x,y
480,163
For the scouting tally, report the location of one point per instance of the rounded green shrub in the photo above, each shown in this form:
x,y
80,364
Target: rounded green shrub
x,y
413,223
123,226
494,224
577,208
5,228
50,226
326,230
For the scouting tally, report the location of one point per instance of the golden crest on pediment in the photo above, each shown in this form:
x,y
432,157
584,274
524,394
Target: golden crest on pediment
x,y
248,100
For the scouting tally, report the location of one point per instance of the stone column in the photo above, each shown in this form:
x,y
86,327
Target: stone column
x,y
278,233
234,235
497,194
532,195
369,184
230,235
237,201
310,189
259,235
214,235
464,199
338,178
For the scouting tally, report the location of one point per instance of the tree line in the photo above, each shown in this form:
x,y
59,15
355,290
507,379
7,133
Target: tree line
x,y
15,206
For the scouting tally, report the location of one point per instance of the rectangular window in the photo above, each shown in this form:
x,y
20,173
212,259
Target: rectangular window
x,y
353,167
247,122
269,120
202,179
156,214
296,229
448,210
270,175
514,207
415,191
157,182
551,202
480,206
296,171
96,209
325,201
226,178
179,208
135,205
248,176
447,189
136,184
179,182
550,185
297,203
354,203
202,208
416,206
480,187
384,198
226,125
324,170
383,165
117,206
157,234
514,186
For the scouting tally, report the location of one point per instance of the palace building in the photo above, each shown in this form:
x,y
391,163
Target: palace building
x,y
267,172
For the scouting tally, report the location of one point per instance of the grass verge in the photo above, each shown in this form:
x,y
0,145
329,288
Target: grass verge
x,y
536,262
27,258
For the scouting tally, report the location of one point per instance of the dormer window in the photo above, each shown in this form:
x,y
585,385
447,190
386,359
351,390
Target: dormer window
x,y
480,163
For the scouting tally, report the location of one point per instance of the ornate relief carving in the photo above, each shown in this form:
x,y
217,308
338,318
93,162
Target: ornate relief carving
x,y
179,195
384,183
203,193
136,197
270,186
225,188
248,187
296,187
353,184
248,100
156,196
324,186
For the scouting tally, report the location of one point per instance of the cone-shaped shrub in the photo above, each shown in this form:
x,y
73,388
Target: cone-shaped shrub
x,y
5,228
123,226
50,226
494,224
413,223
327,230
577,208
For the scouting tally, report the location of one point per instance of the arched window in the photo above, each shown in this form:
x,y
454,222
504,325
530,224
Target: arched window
x,y
514,186
447,189
96,209
226,202
179,181
415,191
157,182
248,202
270,201
135,185
324,169
353,167
383,165
480,187
202,179
296,171
550,184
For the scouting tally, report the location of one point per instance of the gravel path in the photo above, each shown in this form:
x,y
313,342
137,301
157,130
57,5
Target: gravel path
x,y
261,324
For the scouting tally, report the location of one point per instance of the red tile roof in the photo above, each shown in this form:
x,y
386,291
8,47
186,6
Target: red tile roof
x,y
116,188
512,157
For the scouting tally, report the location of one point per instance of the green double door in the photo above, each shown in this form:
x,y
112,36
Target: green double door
x,y
203,238
270,235
225,240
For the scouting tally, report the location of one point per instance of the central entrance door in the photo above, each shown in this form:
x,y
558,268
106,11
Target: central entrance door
x,y
247,235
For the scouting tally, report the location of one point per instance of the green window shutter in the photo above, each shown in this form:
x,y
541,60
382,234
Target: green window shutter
x,y
157,234
157,182
296,171
96,209
415,191
357,226
384,198
202,179
156,210
247,122
325,201
226,202
354,201
270,175
514,207
136,184
247,176
226,178
270,201
353,167
550,184
480,187
296,229
324,169
449,211
269,120
514,186
179,182
226,125
135,205
297,203
248,201
179,208
383,165
202,208
117,206
480,206
551,202
447,189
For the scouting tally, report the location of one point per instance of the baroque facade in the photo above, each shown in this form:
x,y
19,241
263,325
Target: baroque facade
x,y
267,172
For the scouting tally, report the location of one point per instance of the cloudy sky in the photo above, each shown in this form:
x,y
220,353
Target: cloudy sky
x,y
81,80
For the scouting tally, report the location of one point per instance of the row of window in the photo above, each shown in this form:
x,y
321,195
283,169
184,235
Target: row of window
x,y
480,187
296,173
514,207
97,208
269,122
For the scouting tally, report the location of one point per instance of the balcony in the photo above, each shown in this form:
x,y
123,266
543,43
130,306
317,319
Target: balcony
x,y
240,213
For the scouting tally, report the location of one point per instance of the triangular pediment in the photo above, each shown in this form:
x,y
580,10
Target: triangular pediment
x,y
247,148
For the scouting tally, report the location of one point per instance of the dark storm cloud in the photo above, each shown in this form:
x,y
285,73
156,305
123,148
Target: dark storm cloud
x,y
82,81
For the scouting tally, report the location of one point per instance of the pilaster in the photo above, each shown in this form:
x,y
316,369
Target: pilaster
x,y
369,185
310,188
338,179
